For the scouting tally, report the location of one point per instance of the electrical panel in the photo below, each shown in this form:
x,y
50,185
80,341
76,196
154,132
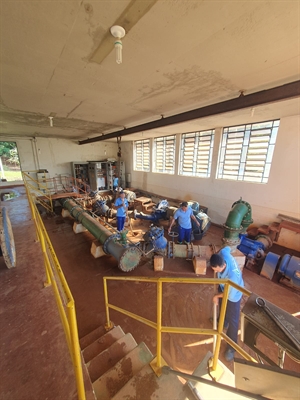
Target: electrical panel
x,y
103,173
113,172
98,176
80,171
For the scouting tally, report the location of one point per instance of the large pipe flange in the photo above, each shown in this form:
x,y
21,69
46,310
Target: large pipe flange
x,y
106,243
130,259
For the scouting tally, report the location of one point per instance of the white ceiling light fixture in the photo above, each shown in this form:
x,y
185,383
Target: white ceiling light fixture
x,y
118,32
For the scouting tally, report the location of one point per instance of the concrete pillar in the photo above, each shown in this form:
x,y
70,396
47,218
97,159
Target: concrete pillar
x,y
65,213
97,249
78,228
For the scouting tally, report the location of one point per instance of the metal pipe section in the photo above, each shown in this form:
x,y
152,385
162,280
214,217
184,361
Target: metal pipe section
x,y
189,251
128,257
238,220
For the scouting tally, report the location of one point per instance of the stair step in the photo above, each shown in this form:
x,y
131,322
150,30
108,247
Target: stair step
x,y
146,385
109,357
114,379
92,336
102,343
207,392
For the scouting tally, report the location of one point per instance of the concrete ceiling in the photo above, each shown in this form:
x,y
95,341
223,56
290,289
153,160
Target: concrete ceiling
x,y
58,59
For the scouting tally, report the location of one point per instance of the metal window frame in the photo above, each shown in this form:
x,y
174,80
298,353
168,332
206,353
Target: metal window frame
x,y
246,151
142,151
164,148
200,160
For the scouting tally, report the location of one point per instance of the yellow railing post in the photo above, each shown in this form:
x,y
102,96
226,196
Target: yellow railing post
x,y
220,326
158,324
76,351
108,324
46,261
62,293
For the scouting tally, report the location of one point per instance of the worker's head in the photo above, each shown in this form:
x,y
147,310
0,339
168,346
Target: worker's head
x,y
122,194
217,262
184,205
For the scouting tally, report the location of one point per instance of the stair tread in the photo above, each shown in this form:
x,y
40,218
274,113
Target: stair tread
x,y
110,356
146,385
92,336
207,392
115,378
102,343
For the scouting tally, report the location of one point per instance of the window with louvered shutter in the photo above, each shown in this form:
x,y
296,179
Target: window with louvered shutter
x,y
196,153
142,155
246,152
164,154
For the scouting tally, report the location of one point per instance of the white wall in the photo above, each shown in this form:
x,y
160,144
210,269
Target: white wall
x,y
56,155
280,195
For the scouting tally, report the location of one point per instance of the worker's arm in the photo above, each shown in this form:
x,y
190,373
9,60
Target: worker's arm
x,y
120,206
172,223
195,219
217,297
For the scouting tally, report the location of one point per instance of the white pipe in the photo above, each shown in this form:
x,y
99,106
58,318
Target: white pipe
x,y
35,153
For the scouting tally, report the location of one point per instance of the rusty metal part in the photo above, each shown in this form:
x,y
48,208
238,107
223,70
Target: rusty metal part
x,y
261,303
190,250
7,242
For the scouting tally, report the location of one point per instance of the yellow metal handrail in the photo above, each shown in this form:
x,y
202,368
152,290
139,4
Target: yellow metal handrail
x,y
184,330
38,190
62,293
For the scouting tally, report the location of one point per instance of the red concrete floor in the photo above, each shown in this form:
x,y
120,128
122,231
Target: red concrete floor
x,y
184,305
34,358
49,375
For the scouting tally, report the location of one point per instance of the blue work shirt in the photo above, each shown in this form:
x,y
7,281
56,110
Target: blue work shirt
x,y
231,272
184,217
116,182
121,212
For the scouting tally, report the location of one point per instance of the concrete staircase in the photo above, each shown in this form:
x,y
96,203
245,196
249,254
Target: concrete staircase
x,y
119,368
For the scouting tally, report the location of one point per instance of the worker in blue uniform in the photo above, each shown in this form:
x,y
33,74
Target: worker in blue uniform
x,y
224,264
184,214
115,182
121,205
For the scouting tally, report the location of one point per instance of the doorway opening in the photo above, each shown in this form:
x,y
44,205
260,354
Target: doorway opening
x,y
10,167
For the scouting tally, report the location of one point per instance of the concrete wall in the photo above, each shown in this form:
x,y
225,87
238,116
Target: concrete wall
x,y
56,155
279,195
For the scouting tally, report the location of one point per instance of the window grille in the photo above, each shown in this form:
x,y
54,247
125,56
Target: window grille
x,y
196,153
142,155
164,154
246,151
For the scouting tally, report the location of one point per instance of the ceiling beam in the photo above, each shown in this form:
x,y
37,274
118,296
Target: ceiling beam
x,y
279,93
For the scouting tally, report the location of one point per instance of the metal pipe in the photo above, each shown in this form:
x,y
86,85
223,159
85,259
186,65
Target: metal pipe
x,y
128,257
190,250
238,220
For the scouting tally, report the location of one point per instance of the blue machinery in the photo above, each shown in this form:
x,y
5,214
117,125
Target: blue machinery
x,y
163,211
289,267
